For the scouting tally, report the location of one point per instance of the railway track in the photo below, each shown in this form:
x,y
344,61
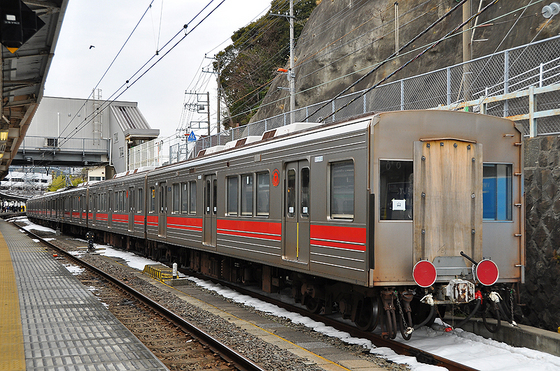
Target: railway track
x,y
151,338
377,340
179,344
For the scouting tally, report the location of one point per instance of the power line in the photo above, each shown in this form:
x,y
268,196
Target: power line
x,y
141,72
110,65
411,60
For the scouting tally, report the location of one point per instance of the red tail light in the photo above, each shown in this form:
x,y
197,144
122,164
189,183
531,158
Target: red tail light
x,y
424,273
487,272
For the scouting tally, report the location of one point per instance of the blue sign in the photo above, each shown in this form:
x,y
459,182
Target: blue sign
x,y
192,137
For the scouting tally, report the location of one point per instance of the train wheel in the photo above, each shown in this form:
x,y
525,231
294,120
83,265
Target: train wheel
x,y
367,315
313,305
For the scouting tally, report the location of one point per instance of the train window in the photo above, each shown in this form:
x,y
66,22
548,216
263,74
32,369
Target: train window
x,y
231,195
152,197
396,189
215,193
192,197
247,194
291,193
263,190
497,192
304,192
342,190
184,198
140,200
208,197
176,198
131,202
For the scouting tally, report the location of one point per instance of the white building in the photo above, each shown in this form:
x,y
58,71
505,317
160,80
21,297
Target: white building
x,y
78,132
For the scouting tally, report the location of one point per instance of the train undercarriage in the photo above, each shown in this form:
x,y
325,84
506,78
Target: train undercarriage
x,y
392,309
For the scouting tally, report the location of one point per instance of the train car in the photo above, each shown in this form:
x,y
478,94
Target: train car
x,y
364,217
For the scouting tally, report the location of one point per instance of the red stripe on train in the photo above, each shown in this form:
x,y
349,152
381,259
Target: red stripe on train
x,y
152,221
139,219
338,245
353,238
250,226
120,218
186,223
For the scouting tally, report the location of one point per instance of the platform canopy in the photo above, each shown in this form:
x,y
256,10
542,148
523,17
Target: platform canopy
x,y
29,32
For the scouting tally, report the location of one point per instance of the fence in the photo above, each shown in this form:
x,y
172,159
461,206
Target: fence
x,y
70,145
146,154
510,71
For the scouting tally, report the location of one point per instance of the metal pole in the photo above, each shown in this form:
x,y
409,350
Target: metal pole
x,y
1,86
291,75
397,27
219,121
532,120
466,52
208,100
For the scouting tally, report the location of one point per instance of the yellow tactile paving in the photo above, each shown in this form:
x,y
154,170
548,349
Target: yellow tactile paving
x,y
12,356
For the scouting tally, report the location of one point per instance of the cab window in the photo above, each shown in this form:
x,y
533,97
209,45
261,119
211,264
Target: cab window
x,y
497,192
396,190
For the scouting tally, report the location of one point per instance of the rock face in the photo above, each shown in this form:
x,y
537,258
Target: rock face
x,y
344,39
541,293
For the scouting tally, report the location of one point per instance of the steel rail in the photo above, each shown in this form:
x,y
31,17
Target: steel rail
x,y
377,340
228,354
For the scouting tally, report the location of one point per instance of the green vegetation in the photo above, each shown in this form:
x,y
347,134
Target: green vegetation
x,y
248,65
60,182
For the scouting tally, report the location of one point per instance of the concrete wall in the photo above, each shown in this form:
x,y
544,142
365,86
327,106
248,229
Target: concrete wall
x,y
541,293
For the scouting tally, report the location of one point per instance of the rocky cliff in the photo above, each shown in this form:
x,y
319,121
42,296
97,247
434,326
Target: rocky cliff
x,y
344,39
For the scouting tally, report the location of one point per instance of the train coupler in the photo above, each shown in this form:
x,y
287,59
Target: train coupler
x,y
457,291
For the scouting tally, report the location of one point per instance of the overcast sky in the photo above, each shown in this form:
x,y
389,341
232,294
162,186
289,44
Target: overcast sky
x,y
93,32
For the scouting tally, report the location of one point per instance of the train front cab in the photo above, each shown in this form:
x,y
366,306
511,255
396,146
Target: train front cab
x,y
449,224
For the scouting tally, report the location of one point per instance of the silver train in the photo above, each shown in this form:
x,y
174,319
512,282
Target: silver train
x,y
383,218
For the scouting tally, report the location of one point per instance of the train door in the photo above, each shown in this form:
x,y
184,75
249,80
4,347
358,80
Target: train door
x,y
447,199
210,210
131,210
296,211
162,220
111,209
92,215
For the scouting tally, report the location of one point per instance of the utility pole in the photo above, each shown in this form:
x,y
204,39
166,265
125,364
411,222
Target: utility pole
x,y
467,52
199,108
290,73
208,109
218,92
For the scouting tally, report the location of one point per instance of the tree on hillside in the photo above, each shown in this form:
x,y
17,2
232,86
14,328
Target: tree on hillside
x,y
248,65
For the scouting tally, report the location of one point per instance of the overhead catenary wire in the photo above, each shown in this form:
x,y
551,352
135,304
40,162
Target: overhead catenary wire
x,y
507,34
342,14
245,40
412,60
366,68
143,70
393,55
488,22
109,67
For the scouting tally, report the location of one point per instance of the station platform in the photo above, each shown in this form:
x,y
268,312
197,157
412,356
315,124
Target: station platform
x,y
50,321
